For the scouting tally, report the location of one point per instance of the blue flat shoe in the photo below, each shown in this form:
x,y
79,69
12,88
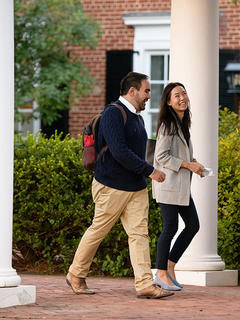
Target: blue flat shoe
x,y
165,286
175,282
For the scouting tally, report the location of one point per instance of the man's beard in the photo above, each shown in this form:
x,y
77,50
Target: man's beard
x,y
141,104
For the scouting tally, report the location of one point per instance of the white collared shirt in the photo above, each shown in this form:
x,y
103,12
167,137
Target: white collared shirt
x,y
128,105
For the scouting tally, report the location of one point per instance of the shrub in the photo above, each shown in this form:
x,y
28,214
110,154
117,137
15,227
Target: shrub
x,y
228,122
53,207
52,201
229,189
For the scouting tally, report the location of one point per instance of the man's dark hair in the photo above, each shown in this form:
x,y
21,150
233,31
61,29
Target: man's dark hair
x,y
132,79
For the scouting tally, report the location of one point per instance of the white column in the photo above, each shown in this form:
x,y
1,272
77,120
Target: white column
x,y
9,295
194,62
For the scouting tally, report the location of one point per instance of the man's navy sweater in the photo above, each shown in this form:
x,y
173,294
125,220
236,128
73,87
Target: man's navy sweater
x,y
122,166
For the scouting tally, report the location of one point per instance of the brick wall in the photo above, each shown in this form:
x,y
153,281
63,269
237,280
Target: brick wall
x,y
117,36
229,27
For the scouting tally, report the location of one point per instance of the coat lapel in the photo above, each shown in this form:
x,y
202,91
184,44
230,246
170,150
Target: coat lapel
x,y
188,148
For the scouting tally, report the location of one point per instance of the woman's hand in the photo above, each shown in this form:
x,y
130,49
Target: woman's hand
x,y
195,167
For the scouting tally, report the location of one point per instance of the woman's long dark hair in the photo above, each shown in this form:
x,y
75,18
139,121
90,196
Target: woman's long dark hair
x,y
169,117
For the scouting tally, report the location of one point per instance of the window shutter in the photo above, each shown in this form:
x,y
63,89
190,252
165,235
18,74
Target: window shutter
x,y
119,63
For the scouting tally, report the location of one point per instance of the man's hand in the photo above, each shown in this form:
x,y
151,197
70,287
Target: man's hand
x,y
157,175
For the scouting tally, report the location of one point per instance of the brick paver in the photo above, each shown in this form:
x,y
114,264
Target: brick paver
x,y
116,299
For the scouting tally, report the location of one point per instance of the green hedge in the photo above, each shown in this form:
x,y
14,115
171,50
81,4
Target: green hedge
x,y
228,122
229,189
53,205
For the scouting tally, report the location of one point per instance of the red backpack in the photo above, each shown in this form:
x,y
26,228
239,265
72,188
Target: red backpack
x,y
90,152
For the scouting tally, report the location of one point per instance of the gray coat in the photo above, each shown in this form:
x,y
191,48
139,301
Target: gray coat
x,y
170,151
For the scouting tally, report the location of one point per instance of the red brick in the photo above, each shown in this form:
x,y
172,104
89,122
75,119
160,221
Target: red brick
x,y
115,298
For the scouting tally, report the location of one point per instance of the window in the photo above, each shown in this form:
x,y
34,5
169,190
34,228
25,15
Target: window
x,y
31,124
226,99
158,76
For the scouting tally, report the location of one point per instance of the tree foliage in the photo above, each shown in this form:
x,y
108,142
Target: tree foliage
x,y
45,71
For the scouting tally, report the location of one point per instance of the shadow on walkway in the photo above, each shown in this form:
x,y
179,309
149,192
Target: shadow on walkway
x,y
116,299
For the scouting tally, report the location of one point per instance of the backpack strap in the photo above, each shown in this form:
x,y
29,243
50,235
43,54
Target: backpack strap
x,y
122,110
102,151
93,124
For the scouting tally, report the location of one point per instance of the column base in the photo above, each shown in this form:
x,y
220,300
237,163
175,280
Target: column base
x,y
16,296
208,278
200,263
9,278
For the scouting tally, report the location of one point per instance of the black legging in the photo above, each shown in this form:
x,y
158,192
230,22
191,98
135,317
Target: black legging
x,y
170,226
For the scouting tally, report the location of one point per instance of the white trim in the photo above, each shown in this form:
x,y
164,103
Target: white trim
x,y
147,18
37,121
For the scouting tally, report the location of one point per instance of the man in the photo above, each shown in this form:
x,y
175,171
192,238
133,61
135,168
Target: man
x,y
119,189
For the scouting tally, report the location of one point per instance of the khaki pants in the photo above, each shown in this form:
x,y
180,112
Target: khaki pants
x,y
132,209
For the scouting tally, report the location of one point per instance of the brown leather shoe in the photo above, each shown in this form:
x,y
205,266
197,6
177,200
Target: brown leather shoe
x,y
78,285
153,292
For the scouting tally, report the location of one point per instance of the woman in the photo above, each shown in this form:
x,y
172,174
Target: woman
x,y
173,155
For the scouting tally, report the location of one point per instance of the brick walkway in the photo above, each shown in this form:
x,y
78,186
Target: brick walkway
x,y
116,299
